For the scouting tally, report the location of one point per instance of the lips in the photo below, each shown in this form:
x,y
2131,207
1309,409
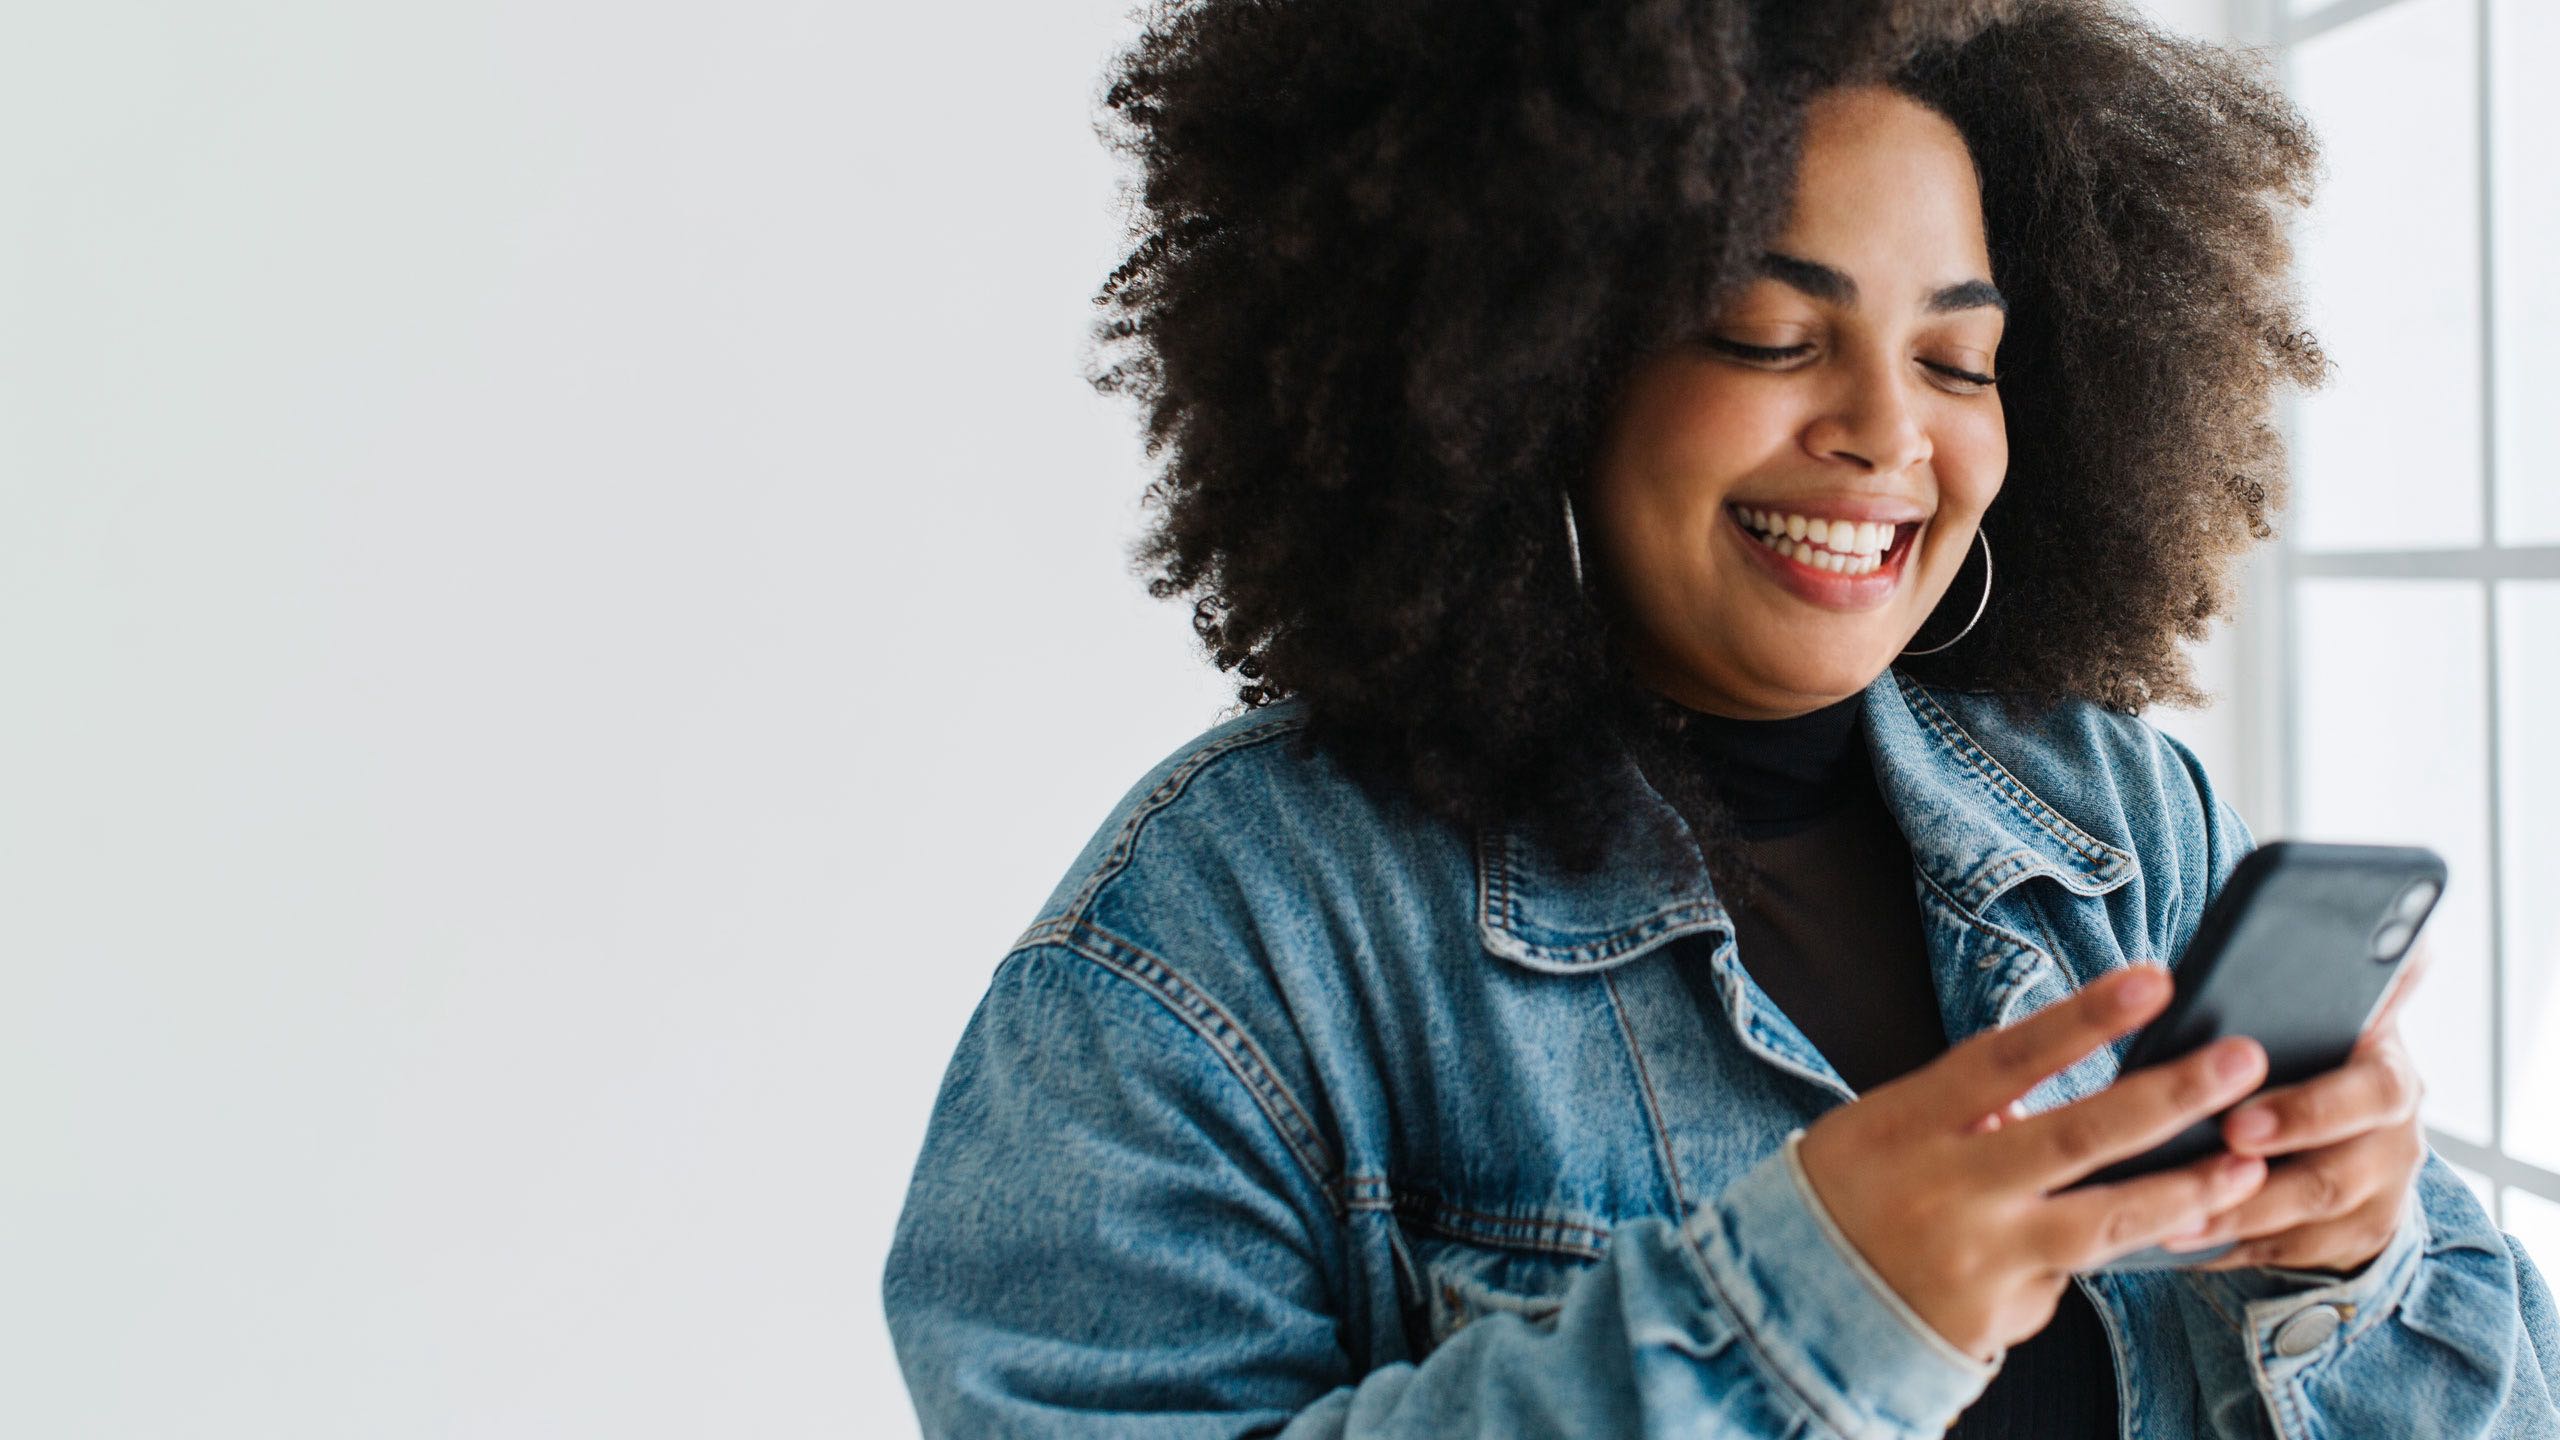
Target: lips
x,y
1829,589
1838,520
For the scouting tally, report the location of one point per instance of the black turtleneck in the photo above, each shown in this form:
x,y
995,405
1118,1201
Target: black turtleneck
x,y
1832,932
1778,776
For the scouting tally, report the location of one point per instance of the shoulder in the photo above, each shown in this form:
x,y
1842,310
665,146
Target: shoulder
x,y
1246,816
1249,887
2076,754
2119,777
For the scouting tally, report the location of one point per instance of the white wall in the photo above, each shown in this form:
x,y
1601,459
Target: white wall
x,y
562,601
2210,19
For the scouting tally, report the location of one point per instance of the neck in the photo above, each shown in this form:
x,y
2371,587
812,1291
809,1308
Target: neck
x,y
1781,774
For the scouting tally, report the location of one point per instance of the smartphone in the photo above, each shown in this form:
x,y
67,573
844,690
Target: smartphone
x,y
2298,951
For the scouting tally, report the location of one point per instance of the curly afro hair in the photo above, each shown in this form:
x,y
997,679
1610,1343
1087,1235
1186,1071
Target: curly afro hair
x,y
1395,257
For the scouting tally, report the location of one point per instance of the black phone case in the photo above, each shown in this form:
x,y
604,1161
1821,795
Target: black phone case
x,y
2297,952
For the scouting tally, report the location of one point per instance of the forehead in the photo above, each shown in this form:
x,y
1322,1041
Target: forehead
x,y
1886,191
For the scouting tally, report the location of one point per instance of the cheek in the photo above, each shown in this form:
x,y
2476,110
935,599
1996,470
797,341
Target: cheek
x,y
1680,449
1713,419
1972,456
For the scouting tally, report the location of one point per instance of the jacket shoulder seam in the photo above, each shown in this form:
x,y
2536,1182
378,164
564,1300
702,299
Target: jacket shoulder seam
x,y
1216,1026
1179,779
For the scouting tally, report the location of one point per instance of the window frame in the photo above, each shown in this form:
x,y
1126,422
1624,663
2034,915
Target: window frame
x,y
2267,695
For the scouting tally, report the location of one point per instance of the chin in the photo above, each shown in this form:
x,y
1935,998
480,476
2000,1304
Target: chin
x,y
1829,684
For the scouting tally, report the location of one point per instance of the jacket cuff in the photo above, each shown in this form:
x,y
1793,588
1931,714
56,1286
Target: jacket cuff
x,y
2293,1319
1819,1316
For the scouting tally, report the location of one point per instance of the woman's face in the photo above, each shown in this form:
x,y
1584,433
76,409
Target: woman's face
x,y
1835,389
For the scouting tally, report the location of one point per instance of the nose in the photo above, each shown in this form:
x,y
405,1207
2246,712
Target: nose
x,y
1871,422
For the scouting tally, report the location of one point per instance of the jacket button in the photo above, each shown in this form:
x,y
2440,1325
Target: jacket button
x,y
2307,1331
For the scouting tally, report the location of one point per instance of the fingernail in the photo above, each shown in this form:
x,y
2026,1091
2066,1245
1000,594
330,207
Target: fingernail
x,y
2252,1125
2187,1240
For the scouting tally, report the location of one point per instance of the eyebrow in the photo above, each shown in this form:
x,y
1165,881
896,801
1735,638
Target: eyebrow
x,y
1826,284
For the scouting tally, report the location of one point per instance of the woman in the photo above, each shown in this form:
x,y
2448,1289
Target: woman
x,y
1661,938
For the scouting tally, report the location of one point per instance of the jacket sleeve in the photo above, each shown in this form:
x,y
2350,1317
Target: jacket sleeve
x,y
2450,1332
1109,1233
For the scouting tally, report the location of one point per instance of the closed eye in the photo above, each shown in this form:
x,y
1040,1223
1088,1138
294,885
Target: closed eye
x,y
1779,354
1763,353
1967,376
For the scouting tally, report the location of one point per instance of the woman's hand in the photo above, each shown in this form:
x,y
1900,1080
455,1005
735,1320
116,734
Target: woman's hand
x,y
1947,1193
2356,1144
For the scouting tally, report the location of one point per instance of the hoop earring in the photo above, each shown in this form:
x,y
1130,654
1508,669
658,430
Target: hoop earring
x,y
1984,536
1572,537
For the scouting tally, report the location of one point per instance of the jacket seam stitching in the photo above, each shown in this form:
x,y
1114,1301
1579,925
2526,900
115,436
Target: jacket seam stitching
x,y
1780,1376
2052,821
1621,944
1652,1104
1430,1213
1124,844
2019,946
1493,881
1498,910
1982,887
1214,1024
2204,1287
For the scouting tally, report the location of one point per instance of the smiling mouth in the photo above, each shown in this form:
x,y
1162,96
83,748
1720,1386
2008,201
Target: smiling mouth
x,y
1843,548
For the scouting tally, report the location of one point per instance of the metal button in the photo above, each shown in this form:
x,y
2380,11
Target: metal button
x,y
2307,1331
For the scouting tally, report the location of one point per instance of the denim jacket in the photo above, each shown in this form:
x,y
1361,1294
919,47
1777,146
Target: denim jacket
x,y
1297,1112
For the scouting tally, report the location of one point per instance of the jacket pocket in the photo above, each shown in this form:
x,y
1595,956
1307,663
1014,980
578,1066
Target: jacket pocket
x,y
1461,1282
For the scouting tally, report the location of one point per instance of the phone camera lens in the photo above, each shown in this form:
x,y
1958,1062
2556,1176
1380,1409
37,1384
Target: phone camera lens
x,y
2392,938
2413,901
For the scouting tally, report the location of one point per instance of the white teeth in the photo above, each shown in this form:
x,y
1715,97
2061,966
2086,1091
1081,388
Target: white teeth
x,y
1819,558
1858,539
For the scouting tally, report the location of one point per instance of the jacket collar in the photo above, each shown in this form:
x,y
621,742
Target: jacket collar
x,y
1973,828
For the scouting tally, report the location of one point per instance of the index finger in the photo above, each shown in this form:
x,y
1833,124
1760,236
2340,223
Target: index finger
x,y
1998,1066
